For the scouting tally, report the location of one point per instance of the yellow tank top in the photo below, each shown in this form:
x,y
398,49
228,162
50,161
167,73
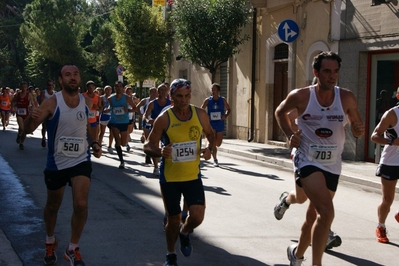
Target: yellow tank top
x,y
186,139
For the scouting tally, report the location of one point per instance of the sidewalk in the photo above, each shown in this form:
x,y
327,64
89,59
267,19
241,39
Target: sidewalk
x,y
357,172
361,173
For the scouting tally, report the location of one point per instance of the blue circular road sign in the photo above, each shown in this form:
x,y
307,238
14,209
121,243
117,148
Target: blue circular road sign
x,y
288,30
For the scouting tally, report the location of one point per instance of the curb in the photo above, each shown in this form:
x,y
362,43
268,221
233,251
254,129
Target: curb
x,y
286,164
8,256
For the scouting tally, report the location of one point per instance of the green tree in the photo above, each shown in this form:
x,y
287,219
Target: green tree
x,y
101,47
12,50
210,31
141,37
53,31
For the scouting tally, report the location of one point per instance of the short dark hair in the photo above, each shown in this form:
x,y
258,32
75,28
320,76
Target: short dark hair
x,y
217,85
325,55
68,64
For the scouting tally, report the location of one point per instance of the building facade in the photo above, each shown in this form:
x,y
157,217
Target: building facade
x,y
278,59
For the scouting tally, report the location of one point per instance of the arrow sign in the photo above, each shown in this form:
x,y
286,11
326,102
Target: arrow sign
x,y
288,30
119,70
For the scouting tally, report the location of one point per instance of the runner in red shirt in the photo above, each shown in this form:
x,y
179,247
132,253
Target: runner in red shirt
x,y
21,103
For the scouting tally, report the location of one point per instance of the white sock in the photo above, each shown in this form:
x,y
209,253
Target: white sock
x,y
50,239
181,232
382,225
72,246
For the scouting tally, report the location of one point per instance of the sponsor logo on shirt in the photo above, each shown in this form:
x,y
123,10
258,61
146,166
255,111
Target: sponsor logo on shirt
x,y
81,116
194,133
323,132
339,118
311,117
176,125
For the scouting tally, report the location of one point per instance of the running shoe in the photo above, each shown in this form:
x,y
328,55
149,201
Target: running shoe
x,y
18,140
122,166
294,261
185,244
216,163
50,258
43,142
281,207
171,260
21,146
397,216
333,240
156,171
74,257
381,234
127,147
110,150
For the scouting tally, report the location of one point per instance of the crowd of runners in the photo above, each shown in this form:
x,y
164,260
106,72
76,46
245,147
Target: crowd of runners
x,y
312,118
74,119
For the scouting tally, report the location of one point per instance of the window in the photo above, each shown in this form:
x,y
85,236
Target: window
x,y
281,51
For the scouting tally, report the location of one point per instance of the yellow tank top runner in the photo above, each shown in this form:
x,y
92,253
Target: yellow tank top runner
x,y
186,139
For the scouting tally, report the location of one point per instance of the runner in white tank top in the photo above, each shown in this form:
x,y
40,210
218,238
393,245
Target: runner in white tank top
x,y
323,134
386,133
68,159
319,141
47,93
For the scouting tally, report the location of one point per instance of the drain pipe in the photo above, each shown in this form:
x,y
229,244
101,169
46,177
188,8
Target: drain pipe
x,y
254,39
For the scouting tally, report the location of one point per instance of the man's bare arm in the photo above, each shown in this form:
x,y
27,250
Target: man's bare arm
x,y
39,114
151,147
205,103
209,133
357,126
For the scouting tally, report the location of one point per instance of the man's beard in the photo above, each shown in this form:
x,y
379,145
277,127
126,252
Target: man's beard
x,y
71,88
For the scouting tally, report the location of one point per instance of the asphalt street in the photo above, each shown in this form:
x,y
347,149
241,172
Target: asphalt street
x,y
125,213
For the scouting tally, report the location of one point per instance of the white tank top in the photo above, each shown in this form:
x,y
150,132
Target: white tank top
x,y
67,135
390,154
144,107
47,95
323,134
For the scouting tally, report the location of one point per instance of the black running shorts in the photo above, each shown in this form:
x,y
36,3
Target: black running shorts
x,y
387,172
193,192
331,179
57,179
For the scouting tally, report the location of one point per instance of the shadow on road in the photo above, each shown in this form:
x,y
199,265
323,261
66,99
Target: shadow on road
x,y
353,260
122,228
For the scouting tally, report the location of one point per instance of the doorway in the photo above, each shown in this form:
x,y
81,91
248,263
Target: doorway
x,y
280,91
384,81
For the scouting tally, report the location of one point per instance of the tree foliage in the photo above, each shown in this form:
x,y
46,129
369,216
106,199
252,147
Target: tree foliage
x,y
53,31
12,50
101,47
141,37
210,31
